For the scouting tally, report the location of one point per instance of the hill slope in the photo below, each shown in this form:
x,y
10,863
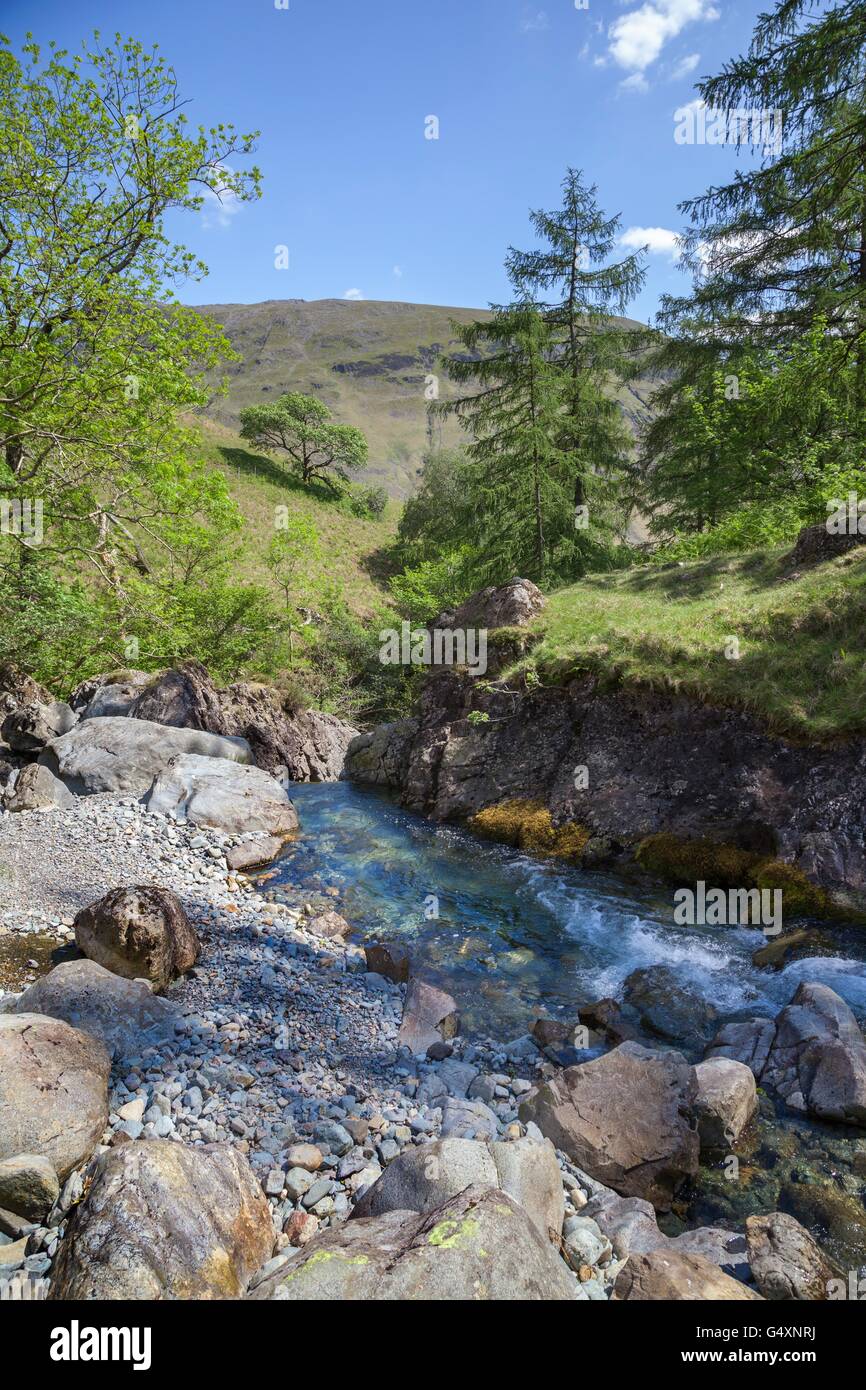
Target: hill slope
x,y
367,360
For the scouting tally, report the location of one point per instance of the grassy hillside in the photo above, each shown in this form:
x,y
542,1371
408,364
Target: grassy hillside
x,y
801,639
351,547
367,360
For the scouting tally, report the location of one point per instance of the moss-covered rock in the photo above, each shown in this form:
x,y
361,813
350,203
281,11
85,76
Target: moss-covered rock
x,y
528,825
682,861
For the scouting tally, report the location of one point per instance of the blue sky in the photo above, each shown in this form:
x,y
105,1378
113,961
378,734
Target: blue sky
x,y
341,90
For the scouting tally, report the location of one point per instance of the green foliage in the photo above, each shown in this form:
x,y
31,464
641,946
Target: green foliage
x,y
368,502
301,428
421,592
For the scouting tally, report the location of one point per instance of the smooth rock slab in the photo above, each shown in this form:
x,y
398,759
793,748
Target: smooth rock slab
x,y
125,1014
125,755
53,1090
479,1245
163,1221
139,933
222,794
663,1275
624,1118
421,1179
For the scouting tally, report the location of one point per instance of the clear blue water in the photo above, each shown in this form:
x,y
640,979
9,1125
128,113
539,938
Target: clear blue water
x,y
516,937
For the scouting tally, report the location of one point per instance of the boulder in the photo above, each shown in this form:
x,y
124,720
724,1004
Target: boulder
x,y
625,1118
786,1262
388,959
301,745
467,1119
668,1276
726,1101
747,1041
139,933
164,1221
421,1179
124,1014
29,1185
509,605
429,1016
53,1090
29,727
630,1224
109,696
182,698
125,755
18,689
249,854
667,1009
815,544
479,1245
817,1060
36,788
329,925
222,794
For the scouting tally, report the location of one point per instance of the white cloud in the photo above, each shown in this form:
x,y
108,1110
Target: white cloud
x,y
535,22
660,241
398,272
353,294
220,204
686,65
637,38
635,83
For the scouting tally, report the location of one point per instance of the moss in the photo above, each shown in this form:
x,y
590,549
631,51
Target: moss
x,y
449,1234
800,897
528,825
680,860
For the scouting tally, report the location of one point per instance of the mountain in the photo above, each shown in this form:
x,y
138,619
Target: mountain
x,y
368,360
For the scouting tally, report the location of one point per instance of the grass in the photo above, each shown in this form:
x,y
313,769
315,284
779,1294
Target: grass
x,y
352,549
802,640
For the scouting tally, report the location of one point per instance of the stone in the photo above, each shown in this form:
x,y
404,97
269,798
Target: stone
x,y
307,1156
819,1052
338,1139
182,698
53,1090
726,1101
630,1224
139,933
36,787
125,755
747,1041
29,727
388,959
249,854
28,1185
468,1119
669,1010
206,1199
421,1179
300,1228
786,1262
665,1275
624,1119
124,1014
301,745
329,925
109,696
13,1255
223,794
514,604
429,1016
479,1245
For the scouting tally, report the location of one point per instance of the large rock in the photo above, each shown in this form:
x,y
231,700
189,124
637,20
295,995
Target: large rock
x,y
300,745
103,697
786,1262
139,933
726,1101
183,698
625,1118
669,1010
421,1179
429,1016
673,1277
222,794
125,755
817,1061
36,788
163,1221
510,605
29,727
630,1224
17,688
28,1185
124,1014
478,1246
747,1041
388,959
53,1090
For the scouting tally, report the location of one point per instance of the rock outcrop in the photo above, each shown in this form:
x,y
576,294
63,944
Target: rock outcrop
x,y
625,1118
139,933
164,1221
125,755
53,1090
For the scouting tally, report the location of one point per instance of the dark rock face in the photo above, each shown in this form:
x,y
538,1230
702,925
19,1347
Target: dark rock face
x,y
165,1221
667,1009
18,689
625,1118
654,762
184,698
816,544
29,727
140,933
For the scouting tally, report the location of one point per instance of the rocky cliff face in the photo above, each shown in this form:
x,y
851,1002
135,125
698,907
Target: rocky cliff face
x,y
625,764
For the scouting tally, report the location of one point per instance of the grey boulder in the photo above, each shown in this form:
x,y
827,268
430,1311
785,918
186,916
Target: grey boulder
x,y
478,1246
28,1185
786,1262
222,794
28,728
125,755
36,788
726,1101
53,1090
429,1016
124,1014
